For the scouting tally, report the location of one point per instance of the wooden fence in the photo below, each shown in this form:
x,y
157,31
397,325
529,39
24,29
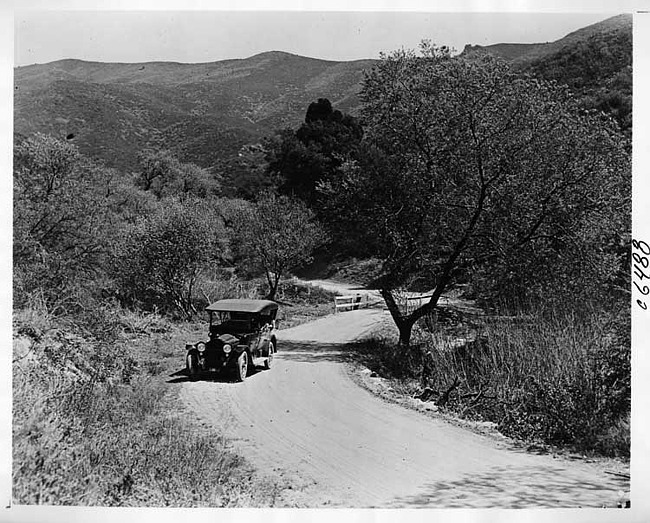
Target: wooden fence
x,y
409,303
362,301
354,302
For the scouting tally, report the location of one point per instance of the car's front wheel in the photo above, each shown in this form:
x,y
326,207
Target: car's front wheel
x,y
192,365
269,358
242,366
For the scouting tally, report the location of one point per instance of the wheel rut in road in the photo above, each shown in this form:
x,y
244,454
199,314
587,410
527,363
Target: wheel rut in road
x,y
306,420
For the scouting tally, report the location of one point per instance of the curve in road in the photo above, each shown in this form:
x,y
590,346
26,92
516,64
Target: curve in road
x,y
307,421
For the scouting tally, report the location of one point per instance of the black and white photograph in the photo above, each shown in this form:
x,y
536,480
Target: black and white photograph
x,y
326,258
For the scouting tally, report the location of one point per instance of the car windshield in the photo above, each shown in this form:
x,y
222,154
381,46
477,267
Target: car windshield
x,y
233,321
223,316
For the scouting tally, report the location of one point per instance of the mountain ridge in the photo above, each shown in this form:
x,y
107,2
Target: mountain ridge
x,y
207,112
521,53
215,107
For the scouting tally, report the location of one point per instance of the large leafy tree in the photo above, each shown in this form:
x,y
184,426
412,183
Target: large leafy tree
x,y
274,235
164,175
467,163
159,259
314,151
59,212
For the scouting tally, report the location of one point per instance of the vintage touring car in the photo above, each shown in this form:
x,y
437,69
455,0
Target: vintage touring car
x,y
241,335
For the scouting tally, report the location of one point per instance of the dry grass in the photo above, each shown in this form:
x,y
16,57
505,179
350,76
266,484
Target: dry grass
x,y
96,423
301,303
558,377
92,426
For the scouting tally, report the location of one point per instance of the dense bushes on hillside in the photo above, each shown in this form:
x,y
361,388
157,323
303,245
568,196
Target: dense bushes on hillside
x,y
598,70
60,240
159,239
473,172
587,62
92,426
158,261
98,255
84,232
555,376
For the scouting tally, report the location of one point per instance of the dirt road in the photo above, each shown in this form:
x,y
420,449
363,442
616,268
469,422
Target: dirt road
x,y
306,421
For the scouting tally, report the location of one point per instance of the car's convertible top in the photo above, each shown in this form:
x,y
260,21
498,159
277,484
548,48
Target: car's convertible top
x,y
232,305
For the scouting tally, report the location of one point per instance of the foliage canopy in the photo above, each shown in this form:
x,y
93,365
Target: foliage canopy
x,y
468,165
158,261
314,152
274,235
59,210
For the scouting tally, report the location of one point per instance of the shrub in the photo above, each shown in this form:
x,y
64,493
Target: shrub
x,y
275,235
295,292
385,357
217,285
90,429
158,262
560,377
59,227
164,175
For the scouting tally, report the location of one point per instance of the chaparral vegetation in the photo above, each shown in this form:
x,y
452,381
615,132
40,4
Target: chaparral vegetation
x,y
508,183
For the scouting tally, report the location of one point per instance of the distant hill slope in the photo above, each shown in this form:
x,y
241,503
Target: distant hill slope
x,y
203,112
595,62
206,113
508,52
589,60
525,53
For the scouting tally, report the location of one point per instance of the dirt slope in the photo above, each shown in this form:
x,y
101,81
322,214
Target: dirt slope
x,y
306,421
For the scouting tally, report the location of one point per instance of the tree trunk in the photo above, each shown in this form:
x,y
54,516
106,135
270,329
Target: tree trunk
x,y
272,288
404,323
273,285
405,330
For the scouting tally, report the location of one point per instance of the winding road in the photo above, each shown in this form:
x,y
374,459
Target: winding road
x,y
333,443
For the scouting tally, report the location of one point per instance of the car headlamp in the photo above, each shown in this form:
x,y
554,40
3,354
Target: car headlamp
x,y
200,346
227,348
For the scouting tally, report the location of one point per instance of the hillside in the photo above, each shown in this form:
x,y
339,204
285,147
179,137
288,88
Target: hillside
x,y
205,113
526,53
595,62
202,112
508,52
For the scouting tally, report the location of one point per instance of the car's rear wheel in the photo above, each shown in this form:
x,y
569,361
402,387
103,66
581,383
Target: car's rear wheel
x,y
242,366
269,358
192,365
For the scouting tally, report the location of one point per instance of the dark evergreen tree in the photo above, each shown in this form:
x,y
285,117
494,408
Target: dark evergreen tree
x,y
314,152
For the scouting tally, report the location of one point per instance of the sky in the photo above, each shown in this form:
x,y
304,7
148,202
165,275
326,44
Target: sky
x,y
205,36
